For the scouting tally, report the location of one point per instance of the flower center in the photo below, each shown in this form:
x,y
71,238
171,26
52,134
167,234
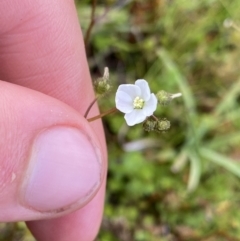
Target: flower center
x,y
138,103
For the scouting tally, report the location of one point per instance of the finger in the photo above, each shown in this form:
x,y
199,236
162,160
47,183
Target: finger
x,y
50,160
41,47
80,225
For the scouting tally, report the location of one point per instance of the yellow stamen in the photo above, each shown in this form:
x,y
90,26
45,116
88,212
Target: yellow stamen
x,y
138,103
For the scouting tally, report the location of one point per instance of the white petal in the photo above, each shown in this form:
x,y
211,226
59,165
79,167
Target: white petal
x,y
150,106
132,90
124,102
135,117
145,90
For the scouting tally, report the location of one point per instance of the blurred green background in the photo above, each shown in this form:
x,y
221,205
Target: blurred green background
x,y
182,184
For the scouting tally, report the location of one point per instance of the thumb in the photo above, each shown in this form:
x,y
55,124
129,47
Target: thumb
x,y
50,159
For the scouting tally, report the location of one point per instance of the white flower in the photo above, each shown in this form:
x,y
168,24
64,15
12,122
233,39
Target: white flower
x,y
135,101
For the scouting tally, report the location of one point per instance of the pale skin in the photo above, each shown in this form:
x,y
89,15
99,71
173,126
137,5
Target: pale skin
x,y
45,82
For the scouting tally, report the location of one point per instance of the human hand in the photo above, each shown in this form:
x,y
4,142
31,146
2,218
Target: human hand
x,y
53,162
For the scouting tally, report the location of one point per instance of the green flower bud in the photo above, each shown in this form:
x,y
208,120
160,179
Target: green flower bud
x,y
165,98
162,125
101,85
149,125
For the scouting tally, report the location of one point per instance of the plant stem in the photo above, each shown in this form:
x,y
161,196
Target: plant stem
x,y
101,115
90,106
154,117
87,36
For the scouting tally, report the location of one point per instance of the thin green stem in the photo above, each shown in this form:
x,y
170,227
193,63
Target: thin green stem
x,y
90,107
103,114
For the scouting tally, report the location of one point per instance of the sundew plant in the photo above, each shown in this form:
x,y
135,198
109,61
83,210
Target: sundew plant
x,y
134,100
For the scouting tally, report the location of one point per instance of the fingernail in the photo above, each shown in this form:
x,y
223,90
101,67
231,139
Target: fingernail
x,y
64,169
